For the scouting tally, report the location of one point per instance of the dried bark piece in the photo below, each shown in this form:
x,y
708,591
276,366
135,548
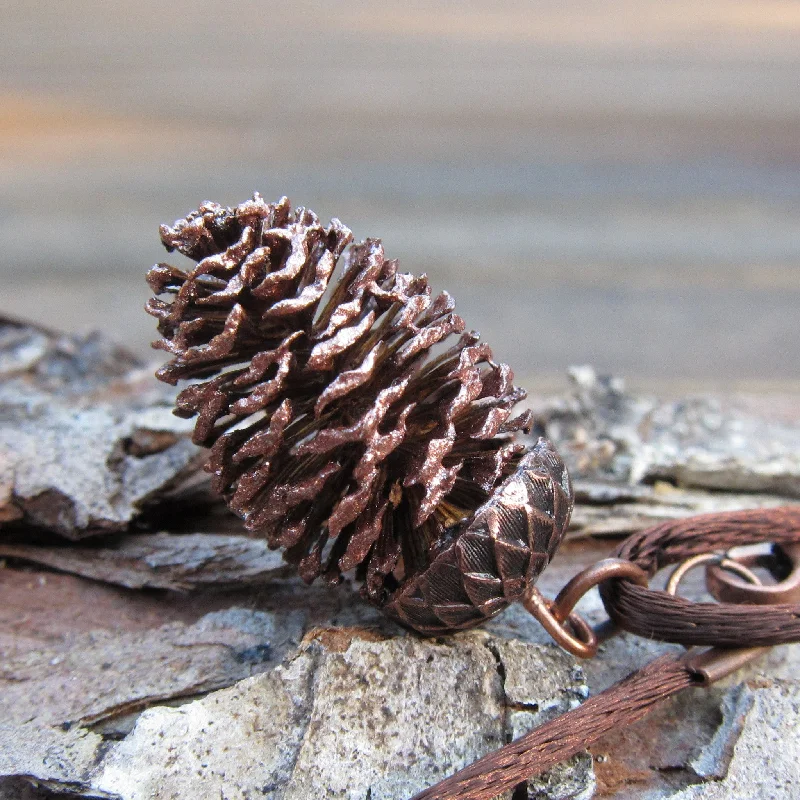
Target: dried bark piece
x,y
85,446
337,428
329,722
605,509
717,443
90,677
81,472
34,357
179,562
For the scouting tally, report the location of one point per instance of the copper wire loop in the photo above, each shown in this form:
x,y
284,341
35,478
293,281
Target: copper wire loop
x,y
660,615
581,641
605,570
709,559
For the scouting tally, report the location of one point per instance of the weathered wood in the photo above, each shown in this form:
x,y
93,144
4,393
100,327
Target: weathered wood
x,y
86,443
92,677
328,723
94,633
606,509
178,562
703,442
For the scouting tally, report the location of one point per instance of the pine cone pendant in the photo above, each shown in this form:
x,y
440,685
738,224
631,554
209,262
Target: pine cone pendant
x,y
340,425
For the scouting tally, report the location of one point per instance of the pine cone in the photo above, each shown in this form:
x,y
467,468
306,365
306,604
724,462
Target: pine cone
x,y
341,427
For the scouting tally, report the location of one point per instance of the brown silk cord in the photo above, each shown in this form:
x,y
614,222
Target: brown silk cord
x,y
555,741
658,615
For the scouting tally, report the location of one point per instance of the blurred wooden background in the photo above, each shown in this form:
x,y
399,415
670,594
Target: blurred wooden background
x,y
606,182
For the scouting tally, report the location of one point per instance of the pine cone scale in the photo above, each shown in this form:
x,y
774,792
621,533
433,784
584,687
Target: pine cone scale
x,y
336,433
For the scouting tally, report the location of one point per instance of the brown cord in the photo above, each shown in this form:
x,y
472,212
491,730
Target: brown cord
x,y
555,741
656,615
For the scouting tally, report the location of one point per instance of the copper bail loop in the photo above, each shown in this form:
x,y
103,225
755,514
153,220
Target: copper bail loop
x,y
577,636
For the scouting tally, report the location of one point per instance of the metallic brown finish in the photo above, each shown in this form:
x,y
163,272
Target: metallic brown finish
x,y
338,434
582,641
708,559
496,555
605,570
334,429
659,615
555,741
716,663
784,558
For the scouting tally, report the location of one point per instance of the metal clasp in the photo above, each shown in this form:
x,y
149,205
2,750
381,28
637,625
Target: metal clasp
x,y
709,666
731,580
783,563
